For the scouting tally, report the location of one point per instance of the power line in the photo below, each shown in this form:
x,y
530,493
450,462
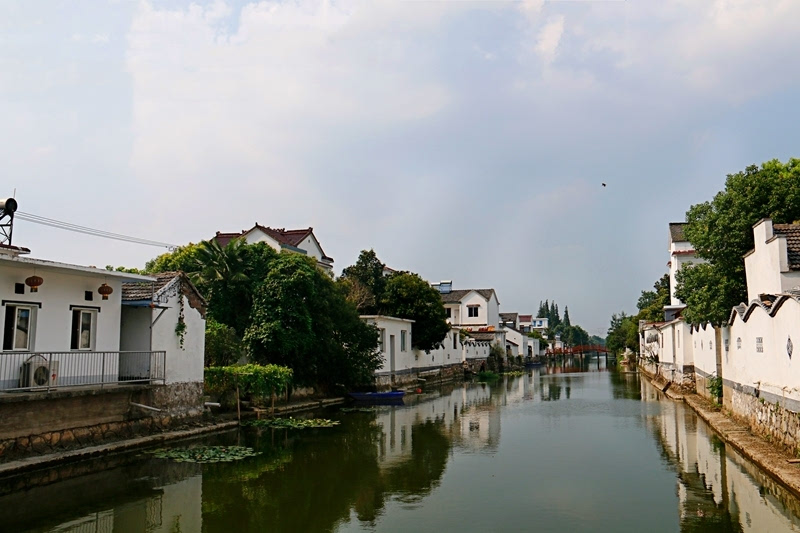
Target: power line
x,y
36,219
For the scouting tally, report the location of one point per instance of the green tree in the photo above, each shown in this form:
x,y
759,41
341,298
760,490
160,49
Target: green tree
x,y
623,333
223,346
367,273
183,258
409,296
651,303
566,321
721,233
301,319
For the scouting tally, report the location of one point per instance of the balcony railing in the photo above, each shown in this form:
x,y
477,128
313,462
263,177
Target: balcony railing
x,y
46,371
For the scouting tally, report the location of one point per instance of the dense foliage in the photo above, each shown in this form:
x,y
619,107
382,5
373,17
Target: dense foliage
x,y
721,233
223,345
399,294
252,380
301,319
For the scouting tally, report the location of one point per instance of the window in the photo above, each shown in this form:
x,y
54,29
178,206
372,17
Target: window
x,y
679,338
738,343
17,330
82,329
19,288
382,340
448,312
402,340
760,344
455,341
472,311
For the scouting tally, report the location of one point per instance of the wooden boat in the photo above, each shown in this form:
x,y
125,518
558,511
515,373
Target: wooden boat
x,y
389,396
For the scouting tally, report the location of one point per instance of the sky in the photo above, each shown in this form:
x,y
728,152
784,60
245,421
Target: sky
x,y
462,140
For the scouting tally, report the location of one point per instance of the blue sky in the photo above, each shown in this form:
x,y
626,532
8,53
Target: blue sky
x,y
461,140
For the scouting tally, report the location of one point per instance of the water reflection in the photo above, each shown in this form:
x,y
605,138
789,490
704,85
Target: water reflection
x,y
718,490
555,449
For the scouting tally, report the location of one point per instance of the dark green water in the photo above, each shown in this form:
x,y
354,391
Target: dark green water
x,y
564,450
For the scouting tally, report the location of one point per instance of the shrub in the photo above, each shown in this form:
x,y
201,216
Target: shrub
x,y
253,380
223,346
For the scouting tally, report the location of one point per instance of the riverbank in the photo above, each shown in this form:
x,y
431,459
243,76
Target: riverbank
x,y
755,448
227,422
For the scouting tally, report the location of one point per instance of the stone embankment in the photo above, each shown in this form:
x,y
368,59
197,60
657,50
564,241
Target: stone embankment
x,y
769,455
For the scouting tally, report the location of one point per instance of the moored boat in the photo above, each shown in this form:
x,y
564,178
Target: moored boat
x,y
377,396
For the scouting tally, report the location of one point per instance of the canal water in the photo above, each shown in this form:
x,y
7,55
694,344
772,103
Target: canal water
x,y
561,449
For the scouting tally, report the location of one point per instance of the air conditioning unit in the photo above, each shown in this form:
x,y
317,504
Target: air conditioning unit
x,y
36,374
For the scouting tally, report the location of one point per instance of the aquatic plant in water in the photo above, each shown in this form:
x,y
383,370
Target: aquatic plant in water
x,y
357,410
205,454
292,423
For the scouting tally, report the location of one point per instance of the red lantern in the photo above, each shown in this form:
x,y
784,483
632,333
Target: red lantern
x,y
105,290
34,282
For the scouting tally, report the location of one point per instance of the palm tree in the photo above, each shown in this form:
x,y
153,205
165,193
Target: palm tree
x,y
220,264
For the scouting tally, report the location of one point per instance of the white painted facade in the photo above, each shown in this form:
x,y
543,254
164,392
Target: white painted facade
x,y
767,265
114,343
184,364
397,353
486,312
65,290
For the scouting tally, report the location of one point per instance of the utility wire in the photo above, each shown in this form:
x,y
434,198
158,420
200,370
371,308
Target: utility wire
x,y
36,219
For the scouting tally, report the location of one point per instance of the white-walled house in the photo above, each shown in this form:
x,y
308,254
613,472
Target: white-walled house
x,y
151,312
394,345
64,325
681,252
301,241
773,266
73,326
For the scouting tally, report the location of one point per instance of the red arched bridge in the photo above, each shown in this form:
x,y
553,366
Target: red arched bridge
x,y
578,350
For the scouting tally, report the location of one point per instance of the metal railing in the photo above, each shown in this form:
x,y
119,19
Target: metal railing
x,y
45,371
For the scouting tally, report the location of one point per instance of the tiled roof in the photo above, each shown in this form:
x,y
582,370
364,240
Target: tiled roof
x,y
481,335
508,317
149,291
290,237
137,291
455,296
792,234
676,232
525,318
224,238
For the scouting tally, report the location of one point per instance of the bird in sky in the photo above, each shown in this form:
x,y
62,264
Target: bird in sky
x,y
604,184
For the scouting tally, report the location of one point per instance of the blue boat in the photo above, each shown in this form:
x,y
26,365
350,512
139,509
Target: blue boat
x,y
390,396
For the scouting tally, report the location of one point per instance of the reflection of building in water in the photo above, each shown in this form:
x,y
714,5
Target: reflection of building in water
x,y
123,500
716,486
467,414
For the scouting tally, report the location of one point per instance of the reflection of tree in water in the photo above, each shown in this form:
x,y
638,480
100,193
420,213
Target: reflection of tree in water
x,y
625,386
553,392
310,480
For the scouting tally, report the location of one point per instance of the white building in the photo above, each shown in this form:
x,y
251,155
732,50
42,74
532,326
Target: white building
x,y
151,312
301,241
681,252
394,345
68,326
773,266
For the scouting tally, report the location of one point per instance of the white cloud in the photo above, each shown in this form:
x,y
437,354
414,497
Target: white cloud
x,y
549,38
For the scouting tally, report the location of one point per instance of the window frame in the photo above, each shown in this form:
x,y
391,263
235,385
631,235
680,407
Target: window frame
x,y
76,329
471,308
403,340
17,307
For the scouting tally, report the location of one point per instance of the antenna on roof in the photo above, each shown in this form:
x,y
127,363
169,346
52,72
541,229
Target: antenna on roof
x,y
7,209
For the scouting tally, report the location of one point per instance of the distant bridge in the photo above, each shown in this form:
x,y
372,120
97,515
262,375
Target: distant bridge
x,y
578,350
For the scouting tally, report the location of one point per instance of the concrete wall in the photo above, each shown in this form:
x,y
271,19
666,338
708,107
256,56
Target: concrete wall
x,y
43,423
